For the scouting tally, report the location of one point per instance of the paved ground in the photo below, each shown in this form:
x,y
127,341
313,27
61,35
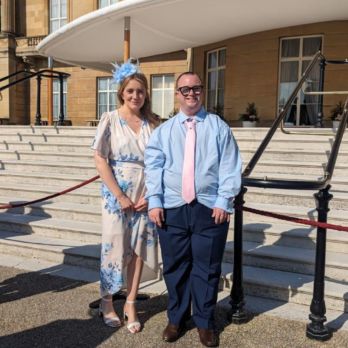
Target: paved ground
x,y
38,310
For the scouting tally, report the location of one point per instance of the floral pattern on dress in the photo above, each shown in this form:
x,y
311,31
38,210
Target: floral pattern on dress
x,y
123,234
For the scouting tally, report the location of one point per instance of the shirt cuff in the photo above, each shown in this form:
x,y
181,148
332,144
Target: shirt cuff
x,y
224,203
155,202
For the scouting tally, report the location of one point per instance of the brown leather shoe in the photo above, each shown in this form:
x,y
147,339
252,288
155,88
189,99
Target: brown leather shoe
x,y
208,337
171,333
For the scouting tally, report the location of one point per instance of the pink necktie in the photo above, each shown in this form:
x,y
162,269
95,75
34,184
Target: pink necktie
x,y
188,171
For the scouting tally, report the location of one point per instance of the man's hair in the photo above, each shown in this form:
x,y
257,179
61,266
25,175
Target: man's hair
x,y
186,73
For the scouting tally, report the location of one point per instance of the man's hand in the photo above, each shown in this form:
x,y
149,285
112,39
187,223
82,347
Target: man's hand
x,y
220,216
156,215
141,205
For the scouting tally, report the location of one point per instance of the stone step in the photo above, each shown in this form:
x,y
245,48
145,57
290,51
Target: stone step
x,y
47,138
287,286
288,259
45,147
52,180
62,253
303,155
295,197
57,210
49,167
86,157
25,192
292,144
84,232
61,130
272,168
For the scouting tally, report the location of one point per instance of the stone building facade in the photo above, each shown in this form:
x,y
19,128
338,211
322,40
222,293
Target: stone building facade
x,y
261,67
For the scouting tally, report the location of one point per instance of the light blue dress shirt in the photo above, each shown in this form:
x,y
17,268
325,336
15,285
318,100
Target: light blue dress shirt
x,y
218,163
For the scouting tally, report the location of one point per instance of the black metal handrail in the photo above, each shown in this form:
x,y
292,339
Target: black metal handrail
x,y
316,328
48,73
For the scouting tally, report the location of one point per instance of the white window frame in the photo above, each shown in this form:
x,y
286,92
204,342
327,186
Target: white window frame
x,y
56,91
217,69
61,20
162,90
110,2
300,59
108,91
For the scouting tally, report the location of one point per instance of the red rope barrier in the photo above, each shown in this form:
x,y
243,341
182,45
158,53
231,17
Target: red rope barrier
x,y
250,210
294,219
8,206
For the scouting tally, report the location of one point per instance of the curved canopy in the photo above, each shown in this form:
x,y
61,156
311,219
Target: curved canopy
x,y
160,26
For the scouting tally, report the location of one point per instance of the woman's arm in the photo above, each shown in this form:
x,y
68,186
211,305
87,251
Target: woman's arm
x,y
109,180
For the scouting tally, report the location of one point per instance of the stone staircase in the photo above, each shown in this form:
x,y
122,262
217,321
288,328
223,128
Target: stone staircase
x,y
278,256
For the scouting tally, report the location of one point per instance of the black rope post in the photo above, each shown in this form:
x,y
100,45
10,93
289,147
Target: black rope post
x,y
38,101
238,314
320,116
316,329
61,98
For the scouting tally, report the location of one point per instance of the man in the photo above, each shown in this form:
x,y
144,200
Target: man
x,y
193,172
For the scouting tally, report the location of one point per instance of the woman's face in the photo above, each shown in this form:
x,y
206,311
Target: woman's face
x,y
134,95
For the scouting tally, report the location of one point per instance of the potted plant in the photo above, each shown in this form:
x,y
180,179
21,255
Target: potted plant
x,y
249,117
336,114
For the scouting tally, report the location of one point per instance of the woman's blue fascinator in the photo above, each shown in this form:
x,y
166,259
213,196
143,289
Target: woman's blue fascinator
x,y
124,70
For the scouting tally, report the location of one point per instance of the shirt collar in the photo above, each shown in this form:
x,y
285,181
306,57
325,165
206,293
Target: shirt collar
x,y
199,117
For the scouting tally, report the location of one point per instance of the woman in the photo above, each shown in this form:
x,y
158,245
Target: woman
x,y
128,237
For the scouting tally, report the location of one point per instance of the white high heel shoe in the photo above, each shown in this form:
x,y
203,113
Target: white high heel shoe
x,y
114,321
134,326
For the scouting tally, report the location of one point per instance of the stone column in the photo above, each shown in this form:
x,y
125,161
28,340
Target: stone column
x,y
8,17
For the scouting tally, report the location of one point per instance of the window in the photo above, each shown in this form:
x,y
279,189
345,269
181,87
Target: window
x,y
162,94
58,14
106,95
56,98
295,56
104,3
216,64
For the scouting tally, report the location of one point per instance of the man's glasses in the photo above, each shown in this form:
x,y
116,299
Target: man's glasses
x,y
185,90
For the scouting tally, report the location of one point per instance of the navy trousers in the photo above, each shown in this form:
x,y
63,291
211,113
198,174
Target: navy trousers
x,y
192,248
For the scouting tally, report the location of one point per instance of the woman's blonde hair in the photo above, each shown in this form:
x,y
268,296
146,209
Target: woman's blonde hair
x,y
145,110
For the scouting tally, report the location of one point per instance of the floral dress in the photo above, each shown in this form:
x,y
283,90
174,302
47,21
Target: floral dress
x,y
123,234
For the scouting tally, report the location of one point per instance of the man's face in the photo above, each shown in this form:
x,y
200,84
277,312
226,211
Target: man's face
x,y
189,94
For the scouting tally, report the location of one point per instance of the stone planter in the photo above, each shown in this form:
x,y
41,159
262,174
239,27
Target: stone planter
x,y
335,124
249,123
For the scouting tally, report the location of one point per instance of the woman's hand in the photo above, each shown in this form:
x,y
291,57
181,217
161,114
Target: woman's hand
x,y
141,205
125,203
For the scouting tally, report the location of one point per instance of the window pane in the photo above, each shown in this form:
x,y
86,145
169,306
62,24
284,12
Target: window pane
x,y
102,84
211,100
112,99
169,81
221,80
289,72
103,3
220,102
54,25
291,48
55,85
157,102
212,60
101,110
168,103
311,45
103,98
63,7
157,82
54,8
212,76
222,57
